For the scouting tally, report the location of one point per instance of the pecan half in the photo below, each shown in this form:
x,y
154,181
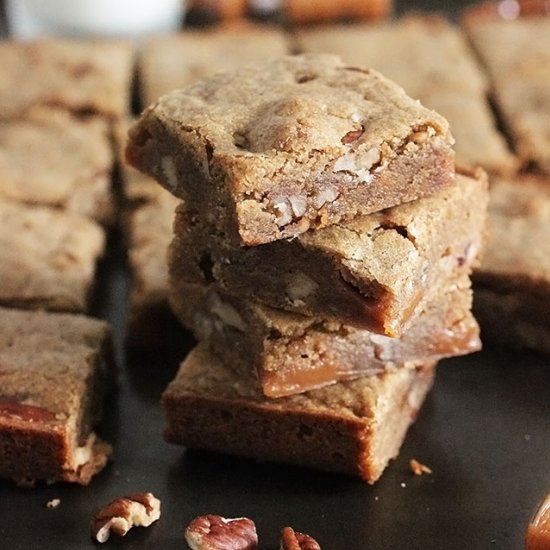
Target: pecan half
x,y
120,515
538,532
292,540
352,135
418,469
213,532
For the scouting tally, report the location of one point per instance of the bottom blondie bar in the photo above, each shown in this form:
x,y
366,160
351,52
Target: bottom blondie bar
x,y
351,427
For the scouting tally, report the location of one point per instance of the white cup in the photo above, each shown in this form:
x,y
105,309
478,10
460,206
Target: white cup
x,y
105,18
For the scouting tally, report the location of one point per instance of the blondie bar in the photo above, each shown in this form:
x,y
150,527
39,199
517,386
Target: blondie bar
x,y
301,142
351,427
430,58
77,75
55,370
51,158
48,257
289,353
512,285
171,62
516,54
370,273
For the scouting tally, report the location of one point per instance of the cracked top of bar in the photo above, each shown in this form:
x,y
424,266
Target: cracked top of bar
x,y
297,143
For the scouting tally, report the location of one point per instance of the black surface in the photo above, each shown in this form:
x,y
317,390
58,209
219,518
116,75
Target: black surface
x,y
484,430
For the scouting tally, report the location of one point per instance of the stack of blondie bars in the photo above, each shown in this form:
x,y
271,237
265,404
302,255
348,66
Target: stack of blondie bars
x,y
321,255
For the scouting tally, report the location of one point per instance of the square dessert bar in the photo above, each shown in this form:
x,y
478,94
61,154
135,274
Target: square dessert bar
x,y
512,285
48,257
54,159
77,75
431,59
170,62
371,273
352,427
516,54
55,370
286,354
301,142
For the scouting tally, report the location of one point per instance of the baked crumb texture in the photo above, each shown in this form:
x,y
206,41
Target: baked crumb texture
x,y
373,272
321,256
299,143
164,64
55,370
512,285
352,427
433,62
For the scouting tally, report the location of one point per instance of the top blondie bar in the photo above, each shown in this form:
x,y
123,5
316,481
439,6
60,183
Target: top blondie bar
x,y
274,149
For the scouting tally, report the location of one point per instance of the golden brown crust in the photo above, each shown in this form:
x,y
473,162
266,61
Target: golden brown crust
x,y
46,427
80,76
51,158
519,209
48,257
352,427
370,273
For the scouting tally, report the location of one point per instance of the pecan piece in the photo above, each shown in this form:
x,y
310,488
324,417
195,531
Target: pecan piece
x,y
120,515
292,540
213,532
418,469
352,136
538,532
